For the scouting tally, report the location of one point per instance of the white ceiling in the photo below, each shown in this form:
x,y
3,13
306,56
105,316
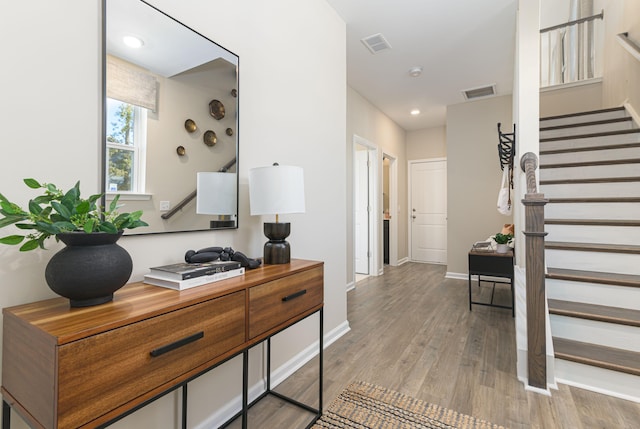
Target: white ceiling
x,y
460,44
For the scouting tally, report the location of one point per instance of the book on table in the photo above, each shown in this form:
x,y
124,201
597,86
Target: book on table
x,y
184,270
194,281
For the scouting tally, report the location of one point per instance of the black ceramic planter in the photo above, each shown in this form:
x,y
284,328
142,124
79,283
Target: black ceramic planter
x,y
90,269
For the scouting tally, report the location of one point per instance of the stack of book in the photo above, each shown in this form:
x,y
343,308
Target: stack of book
x,y
184,275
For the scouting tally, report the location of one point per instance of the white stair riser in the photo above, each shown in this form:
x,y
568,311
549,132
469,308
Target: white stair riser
x,y
594,234
582,118
592,211
586,190
592,155
594,293
590,172
590,141
621,263
586,129
591,331
613,383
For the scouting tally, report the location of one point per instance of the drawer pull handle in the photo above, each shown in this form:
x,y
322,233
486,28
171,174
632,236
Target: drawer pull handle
x,y
294,295
183,342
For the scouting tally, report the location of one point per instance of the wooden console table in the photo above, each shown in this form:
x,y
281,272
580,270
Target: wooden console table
x,y
88,367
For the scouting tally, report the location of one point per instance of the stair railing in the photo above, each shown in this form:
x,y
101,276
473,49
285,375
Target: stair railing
x,y
569,51
534,203
629,45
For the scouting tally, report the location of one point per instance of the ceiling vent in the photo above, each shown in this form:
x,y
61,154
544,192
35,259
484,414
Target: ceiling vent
x,y
376,43
480,92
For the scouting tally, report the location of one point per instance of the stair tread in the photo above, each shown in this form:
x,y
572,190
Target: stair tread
x,y
578,114
591,180
602,313
595,200
593,277
592,163
590,148
596,355
588,124
592,247
593,222
591,135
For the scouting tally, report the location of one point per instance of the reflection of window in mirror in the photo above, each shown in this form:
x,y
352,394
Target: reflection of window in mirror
x,y
126,143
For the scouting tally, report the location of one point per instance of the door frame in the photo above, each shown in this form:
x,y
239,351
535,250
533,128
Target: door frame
x,y
374,203
394,209
409,200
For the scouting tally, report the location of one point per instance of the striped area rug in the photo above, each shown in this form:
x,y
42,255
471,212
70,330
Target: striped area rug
x,y
366,406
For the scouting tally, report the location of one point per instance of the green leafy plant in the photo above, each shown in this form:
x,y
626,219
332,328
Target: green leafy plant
x,y
503,238
56,212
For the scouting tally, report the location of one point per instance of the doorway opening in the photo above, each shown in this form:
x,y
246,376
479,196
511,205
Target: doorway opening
x,y
366,201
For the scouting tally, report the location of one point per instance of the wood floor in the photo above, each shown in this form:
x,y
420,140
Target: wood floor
x,y
411,331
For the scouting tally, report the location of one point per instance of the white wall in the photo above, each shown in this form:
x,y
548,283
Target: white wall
x,y
50,125
473,175
427,143
368,122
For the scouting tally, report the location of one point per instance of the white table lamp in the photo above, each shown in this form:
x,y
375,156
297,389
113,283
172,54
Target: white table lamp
x,y
216,195
275,190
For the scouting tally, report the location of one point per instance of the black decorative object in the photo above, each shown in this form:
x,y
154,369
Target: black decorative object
x,y
90,269
277,250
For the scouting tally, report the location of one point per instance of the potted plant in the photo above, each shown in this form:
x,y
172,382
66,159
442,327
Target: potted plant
x,y
503,241
91,266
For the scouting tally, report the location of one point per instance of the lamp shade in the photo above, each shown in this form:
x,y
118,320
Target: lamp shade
x,y
216,193
277,189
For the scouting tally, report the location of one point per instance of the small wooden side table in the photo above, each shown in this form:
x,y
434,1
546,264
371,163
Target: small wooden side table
x,y
483,263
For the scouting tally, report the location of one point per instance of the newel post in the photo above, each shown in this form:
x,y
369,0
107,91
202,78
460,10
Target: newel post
x,y
534,203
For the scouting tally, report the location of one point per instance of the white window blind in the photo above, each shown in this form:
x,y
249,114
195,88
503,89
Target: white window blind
x,y
130,85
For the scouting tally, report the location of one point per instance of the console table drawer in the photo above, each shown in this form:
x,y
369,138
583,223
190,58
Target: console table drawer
x,y
278,301
95,373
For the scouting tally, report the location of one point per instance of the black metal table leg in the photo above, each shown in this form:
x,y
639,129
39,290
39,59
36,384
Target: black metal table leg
x,y
184,406
245,388
6,415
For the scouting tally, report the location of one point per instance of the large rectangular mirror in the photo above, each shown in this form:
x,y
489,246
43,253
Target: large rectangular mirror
x,y
170,137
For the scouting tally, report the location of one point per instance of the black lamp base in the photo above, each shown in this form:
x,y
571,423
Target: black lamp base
x,y
277,249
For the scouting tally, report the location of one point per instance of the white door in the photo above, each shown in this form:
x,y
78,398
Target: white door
x,y
361,213
429,211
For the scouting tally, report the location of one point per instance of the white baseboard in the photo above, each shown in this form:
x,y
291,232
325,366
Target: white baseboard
x,y
232,407
456,276
351,286
403,261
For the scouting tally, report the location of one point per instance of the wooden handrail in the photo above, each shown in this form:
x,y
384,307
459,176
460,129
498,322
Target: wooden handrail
x,y
574,22
534,203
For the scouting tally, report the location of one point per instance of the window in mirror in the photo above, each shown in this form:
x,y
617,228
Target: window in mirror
x,y
126,142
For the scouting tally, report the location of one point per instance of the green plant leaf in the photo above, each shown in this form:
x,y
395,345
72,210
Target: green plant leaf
x,y
89,225
30,245
63,210
10,220
47,228
12,239
34,207
108,227
64,226
52,188
83,207
32,183
25,226
94,198
9,208
114,203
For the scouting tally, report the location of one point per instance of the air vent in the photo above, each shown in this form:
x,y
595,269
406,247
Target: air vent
x,y
376,43
480,92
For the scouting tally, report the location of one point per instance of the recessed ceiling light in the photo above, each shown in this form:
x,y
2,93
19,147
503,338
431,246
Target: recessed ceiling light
x,y
133,42
415,112
415,71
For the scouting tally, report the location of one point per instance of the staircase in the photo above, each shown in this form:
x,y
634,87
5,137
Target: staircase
x,y
590,172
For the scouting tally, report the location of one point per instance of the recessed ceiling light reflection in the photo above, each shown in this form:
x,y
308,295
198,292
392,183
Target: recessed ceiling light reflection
x,y
415,112
133,42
